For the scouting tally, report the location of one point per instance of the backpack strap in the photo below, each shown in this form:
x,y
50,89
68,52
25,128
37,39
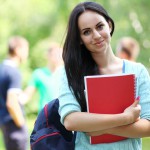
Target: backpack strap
x,y
46,114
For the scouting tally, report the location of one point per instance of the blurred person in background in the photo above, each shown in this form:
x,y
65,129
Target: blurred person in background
x,y
12,121
128,48
43,79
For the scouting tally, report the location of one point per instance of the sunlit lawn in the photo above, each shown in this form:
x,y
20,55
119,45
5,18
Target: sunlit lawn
x,y
31,120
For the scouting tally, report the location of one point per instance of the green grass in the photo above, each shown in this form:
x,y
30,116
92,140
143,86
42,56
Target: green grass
x,y
146,143
30,123
1,142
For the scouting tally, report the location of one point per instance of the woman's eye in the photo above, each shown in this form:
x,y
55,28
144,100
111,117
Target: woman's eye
x,y
100,27
86,32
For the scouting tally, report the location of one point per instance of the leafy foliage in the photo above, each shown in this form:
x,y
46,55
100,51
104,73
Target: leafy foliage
x,y
38,20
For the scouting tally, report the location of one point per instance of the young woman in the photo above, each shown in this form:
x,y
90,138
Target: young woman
x,y
87,51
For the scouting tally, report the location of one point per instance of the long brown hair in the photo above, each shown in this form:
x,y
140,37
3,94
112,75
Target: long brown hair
x,y
77,59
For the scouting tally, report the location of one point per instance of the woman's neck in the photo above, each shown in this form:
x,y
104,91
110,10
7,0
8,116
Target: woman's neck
x,y
115,66
108,63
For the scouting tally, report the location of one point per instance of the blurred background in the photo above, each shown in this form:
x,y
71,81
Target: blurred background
x,y
43,21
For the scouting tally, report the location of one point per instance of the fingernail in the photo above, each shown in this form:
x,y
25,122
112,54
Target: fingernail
x,y
138,98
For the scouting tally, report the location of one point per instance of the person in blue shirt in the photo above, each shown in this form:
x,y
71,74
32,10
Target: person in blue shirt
x,y
12,120
87,51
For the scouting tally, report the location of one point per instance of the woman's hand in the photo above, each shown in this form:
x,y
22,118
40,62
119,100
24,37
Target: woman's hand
x,y
133,111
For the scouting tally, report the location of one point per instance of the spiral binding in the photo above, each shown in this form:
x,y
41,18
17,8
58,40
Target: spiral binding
x,y
135,83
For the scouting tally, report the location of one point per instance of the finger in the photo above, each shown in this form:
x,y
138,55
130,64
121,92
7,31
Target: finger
x,y
139,106
138,98
135,103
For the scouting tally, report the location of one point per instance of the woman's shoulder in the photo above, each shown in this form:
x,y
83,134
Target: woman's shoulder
x,y
132,63
135,66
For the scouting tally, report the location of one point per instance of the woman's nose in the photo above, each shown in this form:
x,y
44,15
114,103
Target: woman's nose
x,y
96,34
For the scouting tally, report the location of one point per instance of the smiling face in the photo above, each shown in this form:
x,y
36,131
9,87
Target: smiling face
x,y
94,31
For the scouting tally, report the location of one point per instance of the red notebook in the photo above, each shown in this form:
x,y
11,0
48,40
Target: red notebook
x,y
109,94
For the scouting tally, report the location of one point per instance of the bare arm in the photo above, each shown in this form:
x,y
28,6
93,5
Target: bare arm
x,y
27,94
14,108
88,122
138,129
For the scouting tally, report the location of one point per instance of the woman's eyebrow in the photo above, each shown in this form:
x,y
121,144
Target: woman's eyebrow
x,y
89,28
99,24
85,29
